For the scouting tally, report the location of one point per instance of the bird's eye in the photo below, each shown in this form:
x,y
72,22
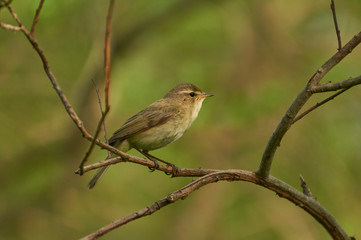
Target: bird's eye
x,y
192,94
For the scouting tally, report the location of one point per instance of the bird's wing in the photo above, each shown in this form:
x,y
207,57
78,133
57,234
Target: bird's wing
x,y
142,121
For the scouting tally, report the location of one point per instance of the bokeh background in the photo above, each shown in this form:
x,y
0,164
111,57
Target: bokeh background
x,y
255,56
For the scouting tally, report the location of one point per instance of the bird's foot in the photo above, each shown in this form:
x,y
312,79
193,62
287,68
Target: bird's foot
x,y
156,165
175,170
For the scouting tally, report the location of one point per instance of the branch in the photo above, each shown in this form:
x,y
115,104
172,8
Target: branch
x,y
107,80
36,17
181,172
344,85
318,105
336,25
13,14
282,189
69,109
107,56
298,103
10,27
101,110
327,87
93,142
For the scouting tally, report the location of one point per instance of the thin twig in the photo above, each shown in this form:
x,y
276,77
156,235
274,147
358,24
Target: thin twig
x,y
306,190
327,87
318,105
14,15
36,17
286,121
107,62
92,144
336,24
10,27
281,188
51,76
101,110
107,55
100,164
107,80
181,172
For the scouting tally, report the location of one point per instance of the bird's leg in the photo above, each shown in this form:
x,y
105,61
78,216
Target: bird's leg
x,y
155,159
145,154
174,167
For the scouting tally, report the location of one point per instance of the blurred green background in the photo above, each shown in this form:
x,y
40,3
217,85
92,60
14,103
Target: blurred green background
x,y
255,56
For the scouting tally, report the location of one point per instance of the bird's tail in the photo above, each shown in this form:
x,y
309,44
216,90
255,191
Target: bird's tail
x,y
123,146
96,176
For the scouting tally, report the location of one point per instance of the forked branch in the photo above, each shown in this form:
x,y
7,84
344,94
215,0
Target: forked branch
x,y
312,86
319,104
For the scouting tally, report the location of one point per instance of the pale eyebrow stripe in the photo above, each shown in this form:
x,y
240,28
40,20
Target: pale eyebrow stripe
x,y
188,91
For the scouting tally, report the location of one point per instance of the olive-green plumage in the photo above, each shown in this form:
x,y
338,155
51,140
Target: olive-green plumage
x,y
161,123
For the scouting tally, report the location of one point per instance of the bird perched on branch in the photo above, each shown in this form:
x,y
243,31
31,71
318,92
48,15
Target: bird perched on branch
x,y
159,124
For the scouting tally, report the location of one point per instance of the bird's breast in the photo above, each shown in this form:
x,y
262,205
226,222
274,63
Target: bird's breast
x,y
160,136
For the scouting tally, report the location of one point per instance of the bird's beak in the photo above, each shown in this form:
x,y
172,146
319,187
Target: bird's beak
x,y
205,95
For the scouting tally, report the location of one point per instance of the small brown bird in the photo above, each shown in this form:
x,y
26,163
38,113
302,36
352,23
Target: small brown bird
x,y
161,123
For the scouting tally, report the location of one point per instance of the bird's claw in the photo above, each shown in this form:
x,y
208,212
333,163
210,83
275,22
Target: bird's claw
x,y
174,172
156,166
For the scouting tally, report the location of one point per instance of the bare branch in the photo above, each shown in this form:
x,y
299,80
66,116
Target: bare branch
x,y
107,56
101,110
107,80
92,144
298,103
100,164
14,15
318,105
51,77
10,27
326,87
282,189
36,17
344,85
336,24
182,172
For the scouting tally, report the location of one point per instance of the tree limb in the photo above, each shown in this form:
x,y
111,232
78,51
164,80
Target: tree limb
x,y
298,103
282,189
